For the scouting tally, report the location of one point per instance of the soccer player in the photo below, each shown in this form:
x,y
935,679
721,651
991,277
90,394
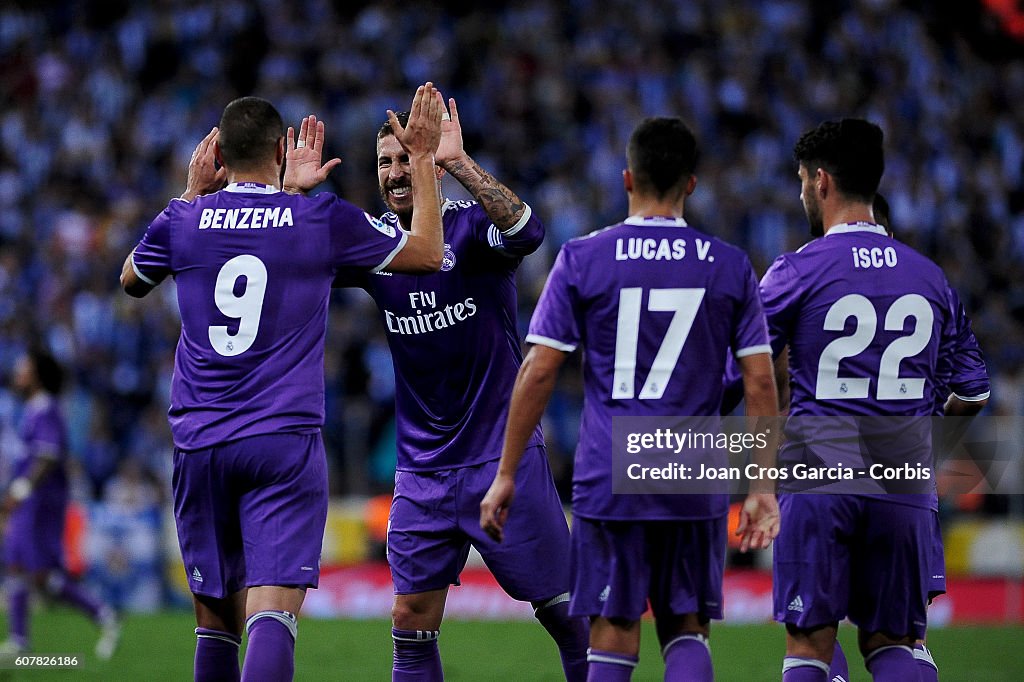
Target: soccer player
x,y
33,510
456,351
253,267
964,394
658,306
868,323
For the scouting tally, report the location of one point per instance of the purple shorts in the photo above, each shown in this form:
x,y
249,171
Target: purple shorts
x,y
618,565
846,555
435,517
35,533
251,512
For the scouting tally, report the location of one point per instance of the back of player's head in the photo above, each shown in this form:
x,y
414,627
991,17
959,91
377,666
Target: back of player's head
x,y
850,150
880,209
48,371
249,130
662,154
385,129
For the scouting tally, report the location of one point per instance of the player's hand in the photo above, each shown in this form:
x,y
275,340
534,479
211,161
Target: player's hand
x,y
450,148
302,169
759,521
203,175
423,133
494,507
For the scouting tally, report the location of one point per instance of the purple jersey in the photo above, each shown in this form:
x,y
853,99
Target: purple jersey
x,y
453,339
44,435
253,267
869,322
657,306
962,373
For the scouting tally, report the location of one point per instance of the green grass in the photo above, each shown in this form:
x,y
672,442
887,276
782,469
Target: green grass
x,y
160,647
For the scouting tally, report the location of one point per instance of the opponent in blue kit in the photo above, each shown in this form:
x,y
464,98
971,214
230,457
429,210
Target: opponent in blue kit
x,y
658,306
253,267
456,351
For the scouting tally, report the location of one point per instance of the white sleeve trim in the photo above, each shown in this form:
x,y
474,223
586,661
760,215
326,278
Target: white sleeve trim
x,y
138,274
973,398
550,343
387,260
753,350
521,223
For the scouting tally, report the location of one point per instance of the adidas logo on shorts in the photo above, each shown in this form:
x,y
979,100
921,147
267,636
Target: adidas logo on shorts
x,y
196,575
796,605
603,597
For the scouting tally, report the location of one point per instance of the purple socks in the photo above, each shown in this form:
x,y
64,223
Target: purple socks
x,y
416,657
570,634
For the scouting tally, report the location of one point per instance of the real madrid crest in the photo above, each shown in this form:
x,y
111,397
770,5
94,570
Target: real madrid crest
x,y
448,259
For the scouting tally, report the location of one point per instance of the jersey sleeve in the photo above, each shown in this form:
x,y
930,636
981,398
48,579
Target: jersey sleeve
x,y
518,241
44,440
968,375
151,258
750,331
554,321
359,240
780,295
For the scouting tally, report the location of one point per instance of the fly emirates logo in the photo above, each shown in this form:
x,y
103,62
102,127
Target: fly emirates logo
x,y
427,316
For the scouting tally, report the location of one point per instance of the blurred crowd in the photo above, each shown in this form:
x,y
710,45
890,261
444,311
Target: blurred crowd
x,y
104,101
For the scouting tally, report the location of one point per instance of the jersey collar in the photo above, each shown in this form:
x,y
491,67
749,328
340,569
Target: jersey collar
x,y
861,226
660,220
251,188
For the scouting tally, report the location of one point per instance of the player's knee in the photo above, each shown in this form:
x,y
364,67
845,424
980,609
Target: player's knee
x,y
416,614
872,641
812,643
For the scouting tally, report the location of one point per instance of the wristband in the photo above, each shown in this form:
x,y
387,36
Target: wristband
x,y
20,489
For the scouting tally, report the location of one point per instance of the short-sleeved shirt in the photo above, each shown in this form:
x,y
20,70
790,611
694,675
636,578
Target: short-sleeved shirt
x,y
657,306
253,267
43,434
454,339
869,322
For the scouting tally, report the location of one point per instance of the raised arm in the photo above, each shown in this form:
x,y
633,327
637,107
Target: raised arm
x,y
521,232
424,249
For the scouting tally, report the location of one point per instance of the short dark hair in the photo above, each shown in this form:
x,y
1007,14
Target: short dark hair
x,y
385,129
850,150
47,369
662,154
249,130
880,209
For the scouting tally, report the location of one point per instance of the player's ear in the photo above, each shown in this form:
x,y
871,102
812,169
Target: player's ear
x,y
217,155
627,181
691,185
822,182
279,158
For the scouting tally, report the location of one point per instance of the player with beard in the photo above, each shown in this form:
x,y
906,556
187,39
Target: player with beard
x,y
456,351
870,326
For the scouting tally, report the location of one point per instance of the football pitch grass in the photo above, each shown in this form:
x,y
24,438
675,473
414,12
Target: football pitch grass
x,y
160,647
